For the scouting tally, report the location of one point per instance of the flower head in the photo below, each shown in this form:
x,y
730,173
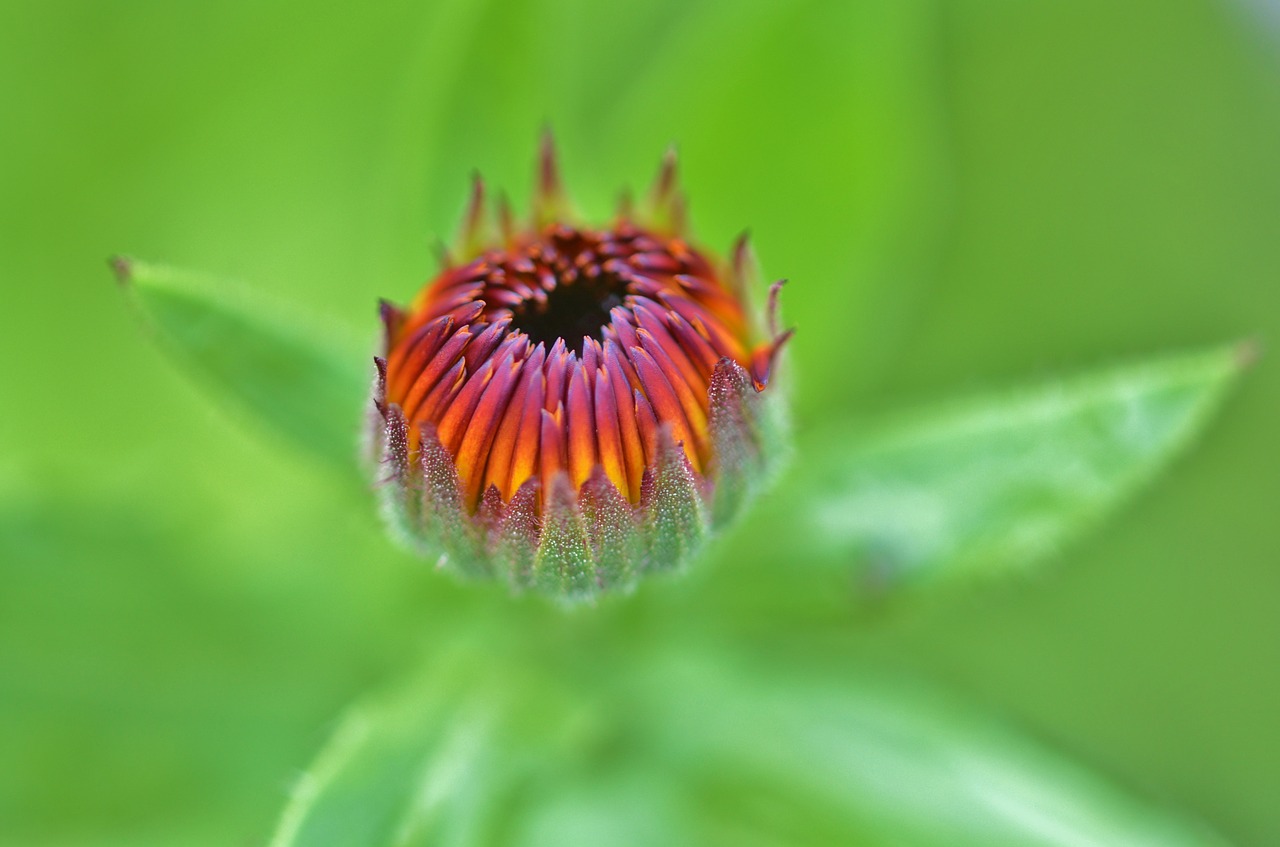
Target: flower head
x,y
567,407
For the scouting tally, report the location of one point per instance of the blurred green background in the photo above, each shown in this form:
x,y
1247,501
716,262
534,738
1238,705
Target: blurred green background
x,y
962,193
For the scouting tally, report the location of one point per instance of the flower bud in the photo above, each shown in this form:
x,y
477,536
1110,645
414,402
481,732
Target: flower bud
x,y
566,408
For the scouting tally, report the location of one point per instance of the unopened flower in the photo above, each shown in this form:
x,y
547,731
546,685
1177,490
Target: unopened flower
x,y
567,408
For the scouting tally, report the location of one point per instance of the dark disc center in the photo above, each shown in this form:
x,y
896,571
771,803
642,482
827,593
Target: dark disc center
x,y
573,311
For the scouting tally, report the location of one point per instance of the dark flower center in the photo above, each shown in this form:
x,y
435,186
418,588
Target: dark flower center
x,y
572,310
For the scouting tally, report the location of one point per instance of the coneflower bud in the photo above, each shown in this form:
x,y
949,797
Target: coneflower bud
x,y
567,408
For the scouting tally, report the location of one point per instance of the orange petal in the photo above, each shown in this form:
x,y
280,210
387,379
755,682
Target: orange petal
x,y
406,361
526,455
629,427
697,348
651,322
671,399
551,447
498,464
444,359
647,423
482,427
457,418
440,397
557,364
608,435
581,427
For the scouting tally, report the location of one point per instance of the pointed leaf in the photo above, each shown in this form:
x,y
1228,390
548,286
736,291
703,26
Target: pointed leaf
x,y
441,760
695,749
305,381
998,482
799,753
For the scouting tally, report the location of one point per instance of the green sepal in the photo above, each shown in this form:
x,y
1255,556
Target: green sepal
x,y
398,483
672,511
444,516
748,440
612,531
516,538
564,566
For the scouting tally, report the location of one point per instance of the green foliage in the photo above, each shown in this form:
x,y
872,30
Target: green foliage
x,y
978,487
306,381
484,751
961,193
995,483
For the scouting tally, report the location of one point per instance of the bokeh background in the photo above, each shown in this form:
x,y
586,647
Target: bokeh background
x,y
962,193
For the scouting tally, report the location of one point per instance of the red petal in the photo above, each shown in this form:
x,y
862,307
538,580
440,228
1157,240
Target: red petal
x,y
697,348
480,430
458,417
441,363
608,434
764,359
557,364
498,465
651,322
551,447
527,453
666,404
647,423
482,347
406,361
629,427
441,396
581,426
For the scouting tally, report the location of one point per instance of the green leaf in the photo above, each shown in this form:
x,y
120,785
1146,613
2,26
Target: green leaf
x,y
302,379
996,483
696,749
806,754
450,758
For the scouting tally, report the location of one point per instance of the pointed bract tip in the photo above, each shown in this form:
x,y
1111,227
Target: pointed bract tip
x,y
548,169
380,386
475,206
1249,351
443,257
474,233
667,173
773,308
743,271
626,205
506,219
389,312
122,267
680,214
765,360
